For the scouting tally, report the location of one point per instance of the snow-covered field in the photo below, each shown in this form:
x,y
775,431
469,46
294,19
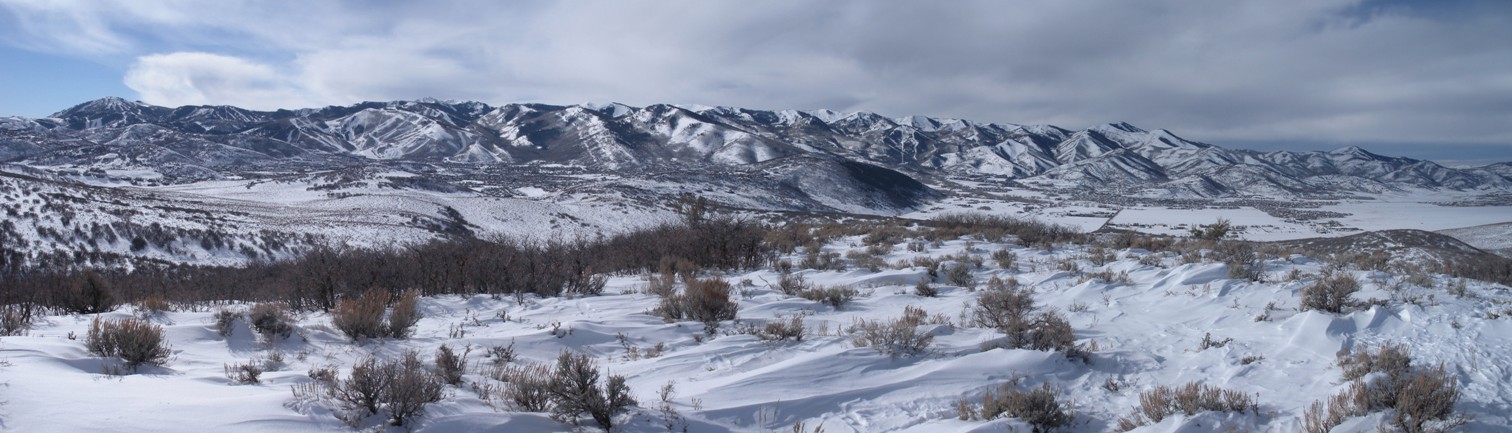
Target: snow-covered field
x,y
1420,210
1142,334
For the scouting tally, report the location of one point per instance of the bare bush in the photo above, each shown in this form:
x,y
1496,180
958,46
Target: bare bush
x,y
1211,232
153,305
1392,359
1330,294
822,260
405,315
271,319
866,259
528,386
363,388
1040,407
1051,331
502,354
836,296
894,338
791,284
1007,311
783,330
960,275
1209,343
135,341
245,373
704,300
1425,402
1163,401
361,318
923,288
16,319
1005,259
994,228
575,390
1420,401
403,387
410,388
88,293
225,321
451,366
586,283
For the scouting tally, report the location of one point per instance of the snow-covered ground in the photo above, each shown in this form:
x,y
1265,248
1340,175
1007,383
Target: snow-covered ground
x,y
1419,209
1143,333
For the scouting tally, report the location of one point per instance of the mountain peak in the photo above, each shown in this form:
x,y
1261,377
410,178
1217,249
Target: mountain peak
x,y
108,103
1118,126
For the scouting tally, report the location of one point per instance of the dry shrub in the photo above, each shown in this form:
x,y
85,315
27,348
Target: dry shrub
x,y
662,285
503,354
225,321
822,260
994,228
575,390
1425,402
585,283
450,365
1384,379
246,373
960,275
1040,407
1012,311
704,300
16,319
271,319
135,341
1392,359
783,330
363,317
894,338
153,305
363,388
791,284
1163,401
1005,259
411,387
1006,309
403,387
866,259
923,288
405,315
1330,294
836,296
527,386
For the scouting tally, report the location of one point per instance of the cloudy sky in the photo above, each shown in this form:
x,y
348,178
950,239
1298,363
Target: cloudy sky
x,y
1429,79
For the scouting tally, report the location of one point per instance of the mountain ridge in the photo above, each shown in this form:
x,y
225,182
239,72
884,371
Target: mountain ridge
x,y
616,136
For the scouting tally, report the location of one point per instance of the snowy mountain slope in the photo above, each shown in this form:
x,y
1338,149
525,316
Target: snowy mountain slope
x,y
1496,238
617,137
59,222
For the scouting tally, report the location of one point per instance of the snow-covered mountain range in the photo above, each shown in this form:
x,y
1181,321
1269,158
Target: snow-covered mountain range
x,y
112,181
209,142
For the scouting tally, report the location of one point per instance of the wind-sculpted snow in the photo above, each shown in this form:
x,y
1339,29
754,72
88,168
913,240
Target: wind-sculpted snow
x,y
1143,329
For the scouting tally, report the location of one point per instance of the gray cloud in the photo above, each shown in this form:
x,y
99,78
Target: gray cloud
x,y
1251,70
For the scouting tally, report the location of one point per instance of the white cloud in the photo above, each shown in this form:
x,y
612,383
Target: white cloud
x,y
1331,70
191,78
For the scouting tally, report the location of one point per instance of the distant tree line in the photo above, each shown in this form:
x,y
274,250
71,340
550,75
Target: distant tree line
x,y
318,279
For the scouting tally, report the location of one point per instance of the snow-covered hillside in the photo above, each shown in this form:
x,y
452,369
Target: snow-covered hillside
x,y
1146,319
